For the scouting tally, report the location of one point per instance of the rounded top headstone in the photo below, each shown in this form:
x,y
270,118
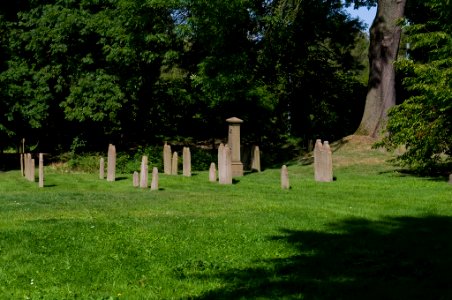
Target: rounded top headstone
x,y
234,120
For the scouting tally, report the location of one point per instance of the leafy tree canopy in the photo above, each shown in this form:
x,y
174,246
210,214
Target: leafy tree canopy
x,y
423,122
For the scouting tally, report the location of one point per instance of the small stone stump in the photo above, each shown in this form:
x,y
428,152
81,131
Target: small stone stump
x,y
41,170
256,159
285,178
101,168
136,180
155,179
186,157
144,172
212,173
175,164
450,178
167,159
111,163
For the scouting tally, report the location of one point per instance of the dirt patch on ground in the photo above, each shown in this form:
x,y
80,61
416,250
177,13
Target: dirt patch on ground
x,y
357,149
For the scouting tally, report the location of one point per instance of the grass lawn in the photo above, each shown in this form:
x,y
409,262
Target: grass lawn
x,y
374,233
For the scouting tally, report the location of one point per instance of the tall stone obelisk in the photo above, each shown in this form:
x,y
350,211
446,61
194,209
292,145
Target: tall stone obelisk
x,y
234,144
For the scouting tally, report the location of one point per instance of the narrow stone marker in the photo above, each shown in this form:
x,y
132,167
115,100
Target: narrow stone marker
x,y
317,160
220,161
32,169
101,168
323,162
226,167
212,173
450,178
144,172
167,159
186,157
285,178
234,145
328,163
175,164
22,164
155,179
256,159
111,163
136,180
41,170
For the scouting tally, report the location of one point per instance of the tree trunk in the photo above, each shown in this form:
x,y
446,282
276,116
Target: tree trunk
x,y
383,49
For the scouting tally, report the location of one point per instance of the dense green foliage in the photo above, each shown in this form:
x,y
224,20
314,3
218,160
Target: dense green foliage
x,y
81,237
423,122
136,72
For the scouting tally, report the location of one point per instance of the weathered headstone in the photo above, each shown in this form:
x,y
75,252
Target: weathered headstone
x,y
234,144
175,164
101,168
256,159
450,178
32,170
328,162
22,164
186,158
167,159
285,177
155,179
323,162
28,167
144,172
220,160
111,163
226,176
41,170
136,179
212,173
317,159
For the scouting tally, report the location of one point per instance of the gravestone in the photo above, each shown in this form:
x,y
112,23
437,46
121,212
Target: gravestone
x,y
285,178
22,164
256,159
226,174
41,170
450,178
101,168
136,180
167,159
144,172
32,169
328,163
186,157
175,164
323,162
111,163
155,179
234,144
212,173
317,159
220,160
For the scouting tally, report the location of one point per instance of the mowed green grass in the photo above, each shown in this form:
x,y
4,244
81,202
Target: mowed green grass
x,y
374,233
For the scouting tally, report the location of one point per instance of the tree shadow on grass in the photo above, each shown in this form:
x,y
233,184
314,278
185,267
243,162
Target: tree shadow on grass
x,y
397,258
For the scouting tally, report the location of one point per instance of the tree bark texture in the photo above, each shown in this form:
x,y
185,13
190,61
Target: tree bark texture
x,y
384,45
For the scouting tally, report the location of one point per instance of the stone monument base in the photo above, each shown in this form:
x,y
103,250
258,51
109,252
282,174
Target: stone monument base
x,y
237,169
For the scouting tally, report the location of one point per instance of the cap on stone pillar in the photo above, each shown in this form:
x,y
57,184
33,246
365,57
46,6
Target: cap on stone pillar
x,y
234,120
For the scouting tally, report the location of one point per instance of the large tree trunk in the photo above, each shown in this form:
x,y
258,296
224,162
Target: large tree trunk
x,y
383,49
